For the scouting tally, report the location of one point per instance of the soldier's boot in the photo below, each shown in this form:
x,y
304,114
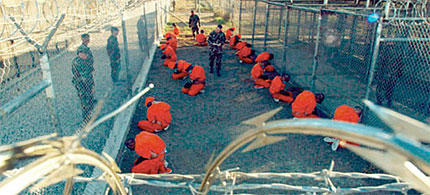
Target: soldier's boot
x,y
218,72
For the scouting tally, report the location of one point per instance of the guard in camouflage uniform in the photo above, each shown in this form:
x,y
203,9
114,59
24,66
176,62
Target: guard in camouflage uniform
x,y
82,69
216,40
114,54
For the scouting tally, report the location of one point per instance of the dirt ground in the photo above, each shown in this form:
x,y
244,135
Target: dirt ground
x,y
205,124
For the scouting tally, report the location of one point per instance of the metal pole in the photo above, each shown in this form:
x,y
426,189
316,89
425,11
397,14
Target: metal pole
x,y
298,25
315,59
198,6
157,33
374,59
311,18
280,22
240,16
146,29
367,3
352,40
284,49
254,16
266,25
125,49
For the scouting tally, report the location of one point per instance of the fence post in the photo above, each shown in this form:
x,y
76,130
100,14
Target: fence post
x,y
254,16
310,31
125,49
374,59
156,21
315,58
280,22
266,26
352,40
146,29
240,16
284,49
50,93
298,25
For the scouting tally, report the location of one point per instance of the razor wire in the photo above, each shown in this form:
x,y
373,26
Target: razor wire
x,y
231,180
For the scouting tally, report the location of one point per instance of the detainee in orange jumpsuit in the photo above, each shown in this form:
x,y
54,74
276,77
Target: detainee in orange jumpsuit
x,y
179,69
170,34
257,74
169,54
277,89
175,29
235,40
347,114
158,116
246,54
305,103
197,80
172,42
201,39
240,46
229,33
151,149
265,56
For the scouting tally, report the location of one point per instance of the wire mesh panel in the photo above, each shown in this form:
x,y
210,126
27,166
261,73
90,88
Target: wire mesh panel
x,y
402,74
343,61
246,19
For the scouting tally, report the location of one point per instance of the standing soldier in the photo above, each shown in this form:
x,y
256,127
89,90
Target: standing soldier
x,y
216,40
82,69
114,54
141,32
192,23
388,73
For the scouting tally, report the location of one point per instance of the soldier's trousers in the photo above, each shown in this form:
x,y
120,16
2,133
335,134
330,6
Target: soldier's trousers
x,y
115,66
85,93
218,58
385,90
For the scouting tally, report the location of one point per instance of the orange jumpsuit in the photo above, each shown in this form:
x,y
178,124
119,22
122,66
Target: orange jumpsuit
x,y
170,53
170,34
265,56
347,114
245,55
275,89
181,70
159,117
234,40
229,33
304,105
198,77
151,166
240,46
145,144
172,43
176,30
201,40
256,72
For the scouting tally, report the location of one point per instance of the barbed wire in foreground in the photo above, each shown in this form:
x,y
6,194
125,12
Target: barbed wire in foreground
x,y
231,180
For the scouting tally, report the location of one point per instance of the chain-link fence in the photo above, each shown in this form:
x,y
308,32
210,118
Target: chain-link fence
x,y
330,49
81,76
